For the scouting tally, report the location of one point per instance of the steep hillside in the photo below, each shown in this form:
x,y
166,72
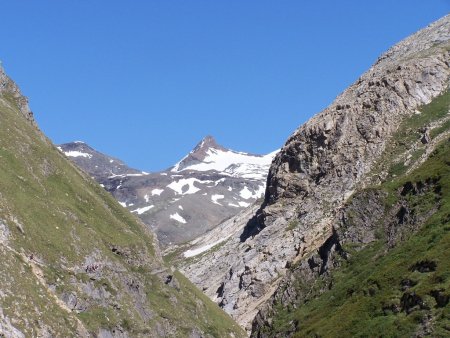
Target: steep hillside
x,y
74,262
351,145
207,186
384,271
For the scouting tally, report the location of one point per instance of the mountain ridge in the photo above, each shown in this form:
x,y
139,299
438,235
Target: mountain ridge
x,y
210,184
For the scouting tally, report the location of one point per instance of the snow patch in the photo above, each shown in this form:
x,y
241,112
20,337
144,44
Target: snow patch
x,y
261,190
177,186
140,211
75,153
125,175
244,204
215,198
180,207
124,204
176,216
195,252
177,165
219,181
232,163
234,205
157,192
146,198
247,194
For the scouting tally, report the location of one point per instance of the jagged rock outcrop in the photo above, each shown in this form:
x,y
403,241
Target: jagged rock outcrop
x,y
321,165
372,234
9,87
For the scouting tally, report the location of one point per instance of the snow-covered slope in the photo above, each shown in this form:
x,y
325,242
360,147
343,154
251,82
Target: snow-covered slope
x,y
208,186
210,156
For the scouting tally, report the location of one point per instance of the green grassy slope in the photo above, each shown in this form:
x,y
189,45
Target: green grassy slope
x,y
391,289
74,260
367,294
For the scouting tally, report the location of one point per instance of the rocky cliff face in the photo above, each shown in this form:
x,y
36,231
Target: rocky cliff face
x,y
74,263
323,163
387,252
207,186
9,88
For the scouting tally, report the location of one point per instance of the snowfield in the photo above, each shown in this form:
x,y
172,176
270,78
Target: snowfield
x,y
75,153
176,216
177,186
215,198
246,193
198,251
140,211
231,163
157,192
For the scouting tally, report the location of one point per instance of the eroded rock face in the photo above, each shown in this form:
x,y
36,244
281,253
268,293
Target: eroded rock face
x,y
10,87
320,166
357,224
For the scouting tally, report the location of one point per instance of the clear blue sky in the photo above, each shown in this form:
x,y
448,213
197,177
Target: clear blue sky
x,y
146,80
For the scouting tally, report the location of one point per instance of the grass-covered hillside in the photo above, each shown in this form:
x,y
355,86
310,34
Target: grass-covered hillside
x,y
387,272
73,261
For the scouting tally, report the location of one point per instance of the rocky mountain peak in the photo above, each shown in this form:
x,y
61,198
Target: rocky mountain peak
x,y
206,143
210,156
205,147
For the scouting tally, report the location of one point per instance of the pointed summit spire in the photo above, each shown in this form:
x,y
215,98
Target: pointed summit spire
x,y
208,142
197,155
